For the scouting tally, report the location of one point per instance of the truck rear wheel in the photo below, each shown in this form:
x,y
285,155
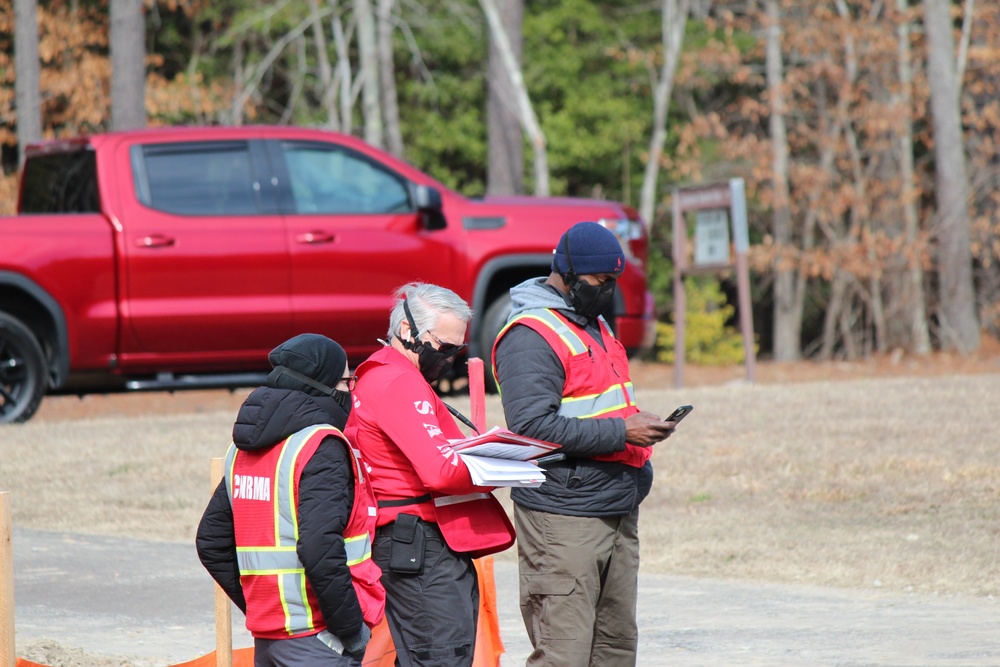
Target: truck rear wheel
x,y
23,372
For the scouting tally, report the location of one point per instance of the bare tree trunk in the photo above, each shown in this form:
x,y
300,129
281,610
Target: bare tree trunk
x,y
371,112
846,326
128,65
27,74
963,44
264,66
674,19
913,296
298,84
959,325
831,318
529,122
236,108
787,323
387,79
505,165
343,73
327,92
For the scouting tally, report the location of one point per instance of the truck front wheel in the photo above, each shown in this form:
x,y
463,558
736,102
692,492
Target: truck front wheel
x,y
23,373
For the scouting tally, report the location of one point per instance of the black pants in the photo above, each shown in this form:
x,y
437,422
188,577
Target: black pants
x,y
432,616
299,652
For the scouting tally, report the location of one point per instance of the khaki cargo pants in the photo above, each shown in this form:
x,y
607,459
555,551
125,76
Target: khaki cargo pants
x,y
578,582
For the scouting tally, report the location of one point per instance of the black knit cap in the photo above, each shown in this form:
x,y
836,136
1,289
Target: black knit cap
x,y
312,355
593,249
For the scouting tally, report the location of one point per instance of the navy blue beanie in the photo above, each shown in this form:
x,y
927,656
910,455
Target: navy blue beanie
x,y
593,248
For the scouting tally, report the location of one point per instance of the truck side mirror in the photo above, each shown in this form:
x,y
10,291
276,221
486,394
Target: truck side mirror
x,y
427,201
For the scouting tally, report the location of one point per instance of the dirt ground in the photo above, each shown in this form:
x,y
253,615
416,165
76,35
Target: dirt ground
x,y
883,474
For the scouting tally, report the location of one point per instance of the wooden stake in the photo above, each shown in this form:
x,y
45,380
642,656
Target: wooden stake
x,y
8,656
223,605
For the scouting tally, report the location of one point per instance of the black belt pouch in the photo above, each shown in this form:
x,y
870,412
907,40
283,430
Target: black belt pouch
x,y
406,556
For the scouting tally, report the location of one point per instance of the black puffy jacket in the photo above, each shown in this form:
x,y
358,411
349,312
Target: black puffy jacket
x,y
326,497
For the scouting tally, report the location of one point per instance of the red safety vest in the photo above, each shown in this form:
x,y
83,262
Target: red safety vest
x,y
597,383
264,491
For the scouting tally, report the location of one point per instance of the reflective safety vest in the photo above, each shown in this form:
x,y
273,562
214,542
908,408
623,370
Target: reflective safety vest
x,y
264,491
597,382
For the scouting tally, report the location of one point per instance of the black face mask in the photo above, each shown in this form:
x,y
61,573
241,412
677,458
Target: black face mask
x,y
434,363
341,398
344,404
588,300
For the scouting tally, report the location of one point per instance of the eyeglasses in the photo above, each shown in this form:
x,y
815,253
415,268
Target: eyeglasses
x,y
446,348
351,381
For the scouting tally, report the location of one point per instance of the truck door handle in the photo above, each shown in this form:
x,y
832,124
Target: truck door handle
x,y
315,236
155,241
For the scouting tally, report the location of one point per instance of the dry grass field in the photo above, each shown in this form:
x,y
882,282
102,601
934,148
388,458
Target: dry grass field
x,y
878,474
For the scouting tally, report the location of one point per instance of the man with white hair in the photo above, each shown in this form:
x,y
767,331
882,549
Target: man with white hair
x,y
432,520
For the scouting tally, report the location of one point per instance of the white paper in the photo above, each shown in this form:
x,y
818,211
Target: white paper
x,y
500,443
489,471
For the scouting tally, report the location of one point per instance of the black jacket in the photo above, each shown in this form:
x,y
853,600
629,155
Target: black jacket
x,y
531,383
326,497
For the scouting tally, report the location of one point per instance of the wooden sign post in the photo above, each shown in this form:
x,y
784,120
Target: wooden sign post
x,y
223,605
719,208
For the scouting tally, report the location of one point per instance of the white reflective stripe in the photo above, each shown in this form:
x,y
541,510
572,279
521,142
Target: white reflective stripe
x,y
357,464
286,531
332,641
454,500
227,473
292,590
358,548
573,342
268,560
597,404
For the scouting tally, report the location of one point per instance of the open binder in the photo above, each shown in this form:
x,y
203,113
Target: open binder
x,y
499,457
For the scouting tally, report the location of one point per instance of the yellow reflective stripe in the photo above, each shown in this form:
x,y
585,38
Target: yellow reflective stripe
x,y
306,613
594,405
573,342
295,616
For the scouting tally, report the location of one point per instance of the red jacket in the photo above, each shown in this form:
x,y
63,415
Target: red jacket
x,y
597,382
403,429
263,489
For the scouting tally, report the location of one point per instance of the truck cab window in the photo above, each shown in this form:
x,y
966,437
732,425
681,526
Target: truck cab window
x,y
210,178
331,180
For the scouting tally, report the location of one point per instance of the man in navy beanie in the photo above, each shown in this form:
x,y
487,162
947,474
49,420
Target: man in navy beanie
x,y
564,378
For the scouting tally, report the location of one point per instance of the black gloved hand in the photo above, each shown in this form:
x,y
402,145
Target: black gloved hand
x,y
356,643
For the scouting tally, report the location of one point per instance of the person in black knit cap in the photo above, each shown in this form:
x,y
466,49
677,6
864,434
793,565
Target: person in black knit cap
x,y
287,534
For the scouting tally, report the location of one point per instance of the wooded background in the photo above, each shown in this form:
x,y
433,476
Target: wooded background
x,y
866,131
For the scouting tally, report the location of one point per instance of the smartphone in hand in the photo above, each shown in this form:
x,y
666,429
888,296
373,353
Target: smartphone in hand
x,y
679,414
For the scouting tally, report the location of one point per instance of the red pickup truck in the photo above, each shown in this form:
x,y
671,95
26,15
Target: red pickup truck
x,y
178,257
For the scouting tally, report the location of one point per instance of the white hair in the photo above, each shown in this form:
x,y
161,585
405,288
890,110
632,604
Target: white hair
x,y
427,304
